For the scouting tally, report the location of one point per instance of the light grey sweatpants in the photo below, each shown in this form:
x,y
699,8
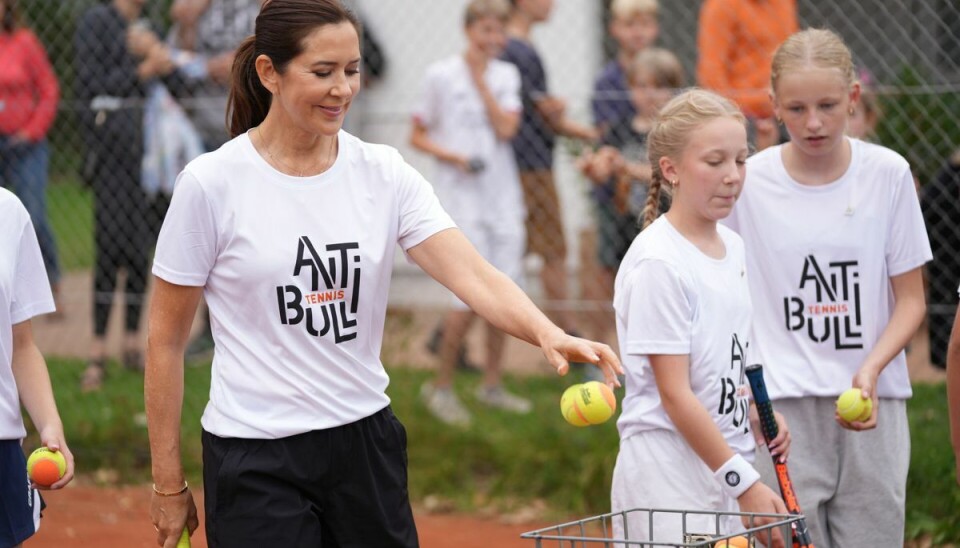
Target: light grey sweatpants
x,y
850,485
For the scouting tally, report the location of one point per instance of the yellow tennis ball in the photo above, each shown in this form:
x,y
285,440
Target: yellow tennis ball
x,y
184,541
569,409
852,406
588,403
45,467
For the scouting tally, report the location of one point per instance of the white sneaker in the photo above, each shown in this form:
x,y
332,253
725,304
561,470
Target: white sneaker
x,y
496,396
444,404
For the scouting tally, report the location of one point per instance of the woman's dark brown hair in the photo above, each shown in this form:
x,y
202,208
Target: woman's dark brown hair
x,y
281,29
11,19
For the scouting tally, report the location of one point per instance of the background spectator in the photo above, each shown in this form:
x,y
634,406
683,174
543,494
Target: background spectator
x,y
469,112
620,169
866,113
211,29
113,64
735,42
634,27
28,104
544,116
940,201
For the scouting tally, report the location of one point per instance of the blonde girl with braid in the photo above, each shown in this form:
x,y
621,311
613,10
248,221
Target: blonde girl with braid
x,y
683,315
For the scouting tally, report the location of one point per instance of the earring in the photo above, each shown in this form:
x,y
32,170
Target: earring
x,y
674,182
851,111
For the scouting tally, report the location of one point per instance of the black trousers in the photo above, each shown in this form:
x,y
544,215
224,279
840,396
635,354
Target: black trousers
x,y
344,487
121,233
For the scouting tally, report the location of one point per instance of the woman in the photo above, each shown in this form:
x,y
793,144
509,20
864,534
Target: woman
x,y
29,94
288,231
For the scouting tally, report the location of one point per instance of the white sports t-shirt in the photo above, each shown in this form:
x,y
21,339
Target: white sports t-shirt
x,y
24,293
451,109
296,273
820,259
670,298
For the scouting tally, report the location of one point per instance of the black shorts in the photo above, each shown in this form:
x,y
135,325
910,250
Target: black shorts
x,y
344,487
20,505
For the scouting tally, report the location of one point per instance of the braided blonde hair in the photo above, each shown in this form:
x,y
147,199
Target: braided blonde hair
x,y
678,119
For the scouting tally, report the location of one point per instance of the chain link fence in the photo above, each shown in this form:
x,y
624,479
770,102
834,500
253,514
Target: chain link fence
x,y
117,139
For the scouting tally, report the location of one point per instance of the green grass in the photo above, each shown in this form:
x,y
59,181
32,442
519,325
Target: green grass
x,y
70,211
503,461
933,497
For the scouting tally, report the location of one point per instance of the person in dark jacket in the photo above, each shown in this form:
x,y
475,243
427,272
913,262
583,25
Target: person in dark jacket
x,y
112,69
940,201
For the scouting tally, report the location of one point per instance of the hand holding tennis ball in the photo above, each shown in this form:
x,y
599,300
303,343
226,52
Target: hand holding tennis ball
x,y
588,403
45,467
853,407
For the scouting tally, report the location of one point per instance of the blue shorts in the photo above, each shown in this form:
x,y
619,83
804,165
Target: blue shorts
x,y
19,503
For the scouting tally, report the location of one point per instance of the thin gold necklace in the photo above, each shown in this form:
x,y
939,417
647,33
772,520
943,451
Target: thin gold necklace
x,y
266,148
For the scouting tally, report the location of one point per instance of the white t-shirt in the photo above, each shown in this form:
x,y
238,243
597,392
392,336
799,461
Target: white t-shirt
x,y
296,273
24,293
820,259
453,112
670,298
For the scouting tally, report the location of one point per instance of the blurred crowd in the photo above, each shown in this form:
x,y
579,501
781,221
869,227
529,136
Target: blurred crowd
x,y
155,98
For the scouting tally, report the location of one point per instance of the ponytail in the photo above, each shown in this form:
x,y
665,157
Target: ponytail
x,y
651,209
249,101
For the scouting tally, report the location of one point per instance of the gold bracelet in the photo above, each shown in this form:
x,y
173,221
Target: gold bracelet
x,y
181,491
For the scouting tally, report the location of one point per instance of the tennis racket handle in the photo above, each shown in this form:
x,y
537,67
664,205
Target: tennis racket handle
x,y
768,422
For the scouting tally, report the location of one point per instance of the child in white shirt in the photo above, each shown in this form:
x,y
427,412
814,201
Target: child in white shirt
x,y
683,318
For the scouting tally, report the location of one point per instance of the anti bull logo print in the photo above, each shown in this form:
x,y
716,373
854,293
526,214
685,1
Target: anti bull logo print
x,y
829,312
330,308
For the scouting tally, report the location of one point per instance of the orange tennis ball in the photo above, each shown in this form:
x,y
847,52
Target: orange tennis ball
x,y
734,542
588,403
45,467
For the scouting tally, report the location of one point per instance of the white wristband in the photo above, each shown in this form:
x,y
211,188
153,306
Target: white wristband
x,y
736,476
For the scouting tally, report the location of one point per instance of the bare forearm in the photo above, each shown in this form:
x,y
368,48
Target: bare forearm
x,y
697,427
33,385
422,142
497,299
908,314
172,308
575,130
163,395
505,124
